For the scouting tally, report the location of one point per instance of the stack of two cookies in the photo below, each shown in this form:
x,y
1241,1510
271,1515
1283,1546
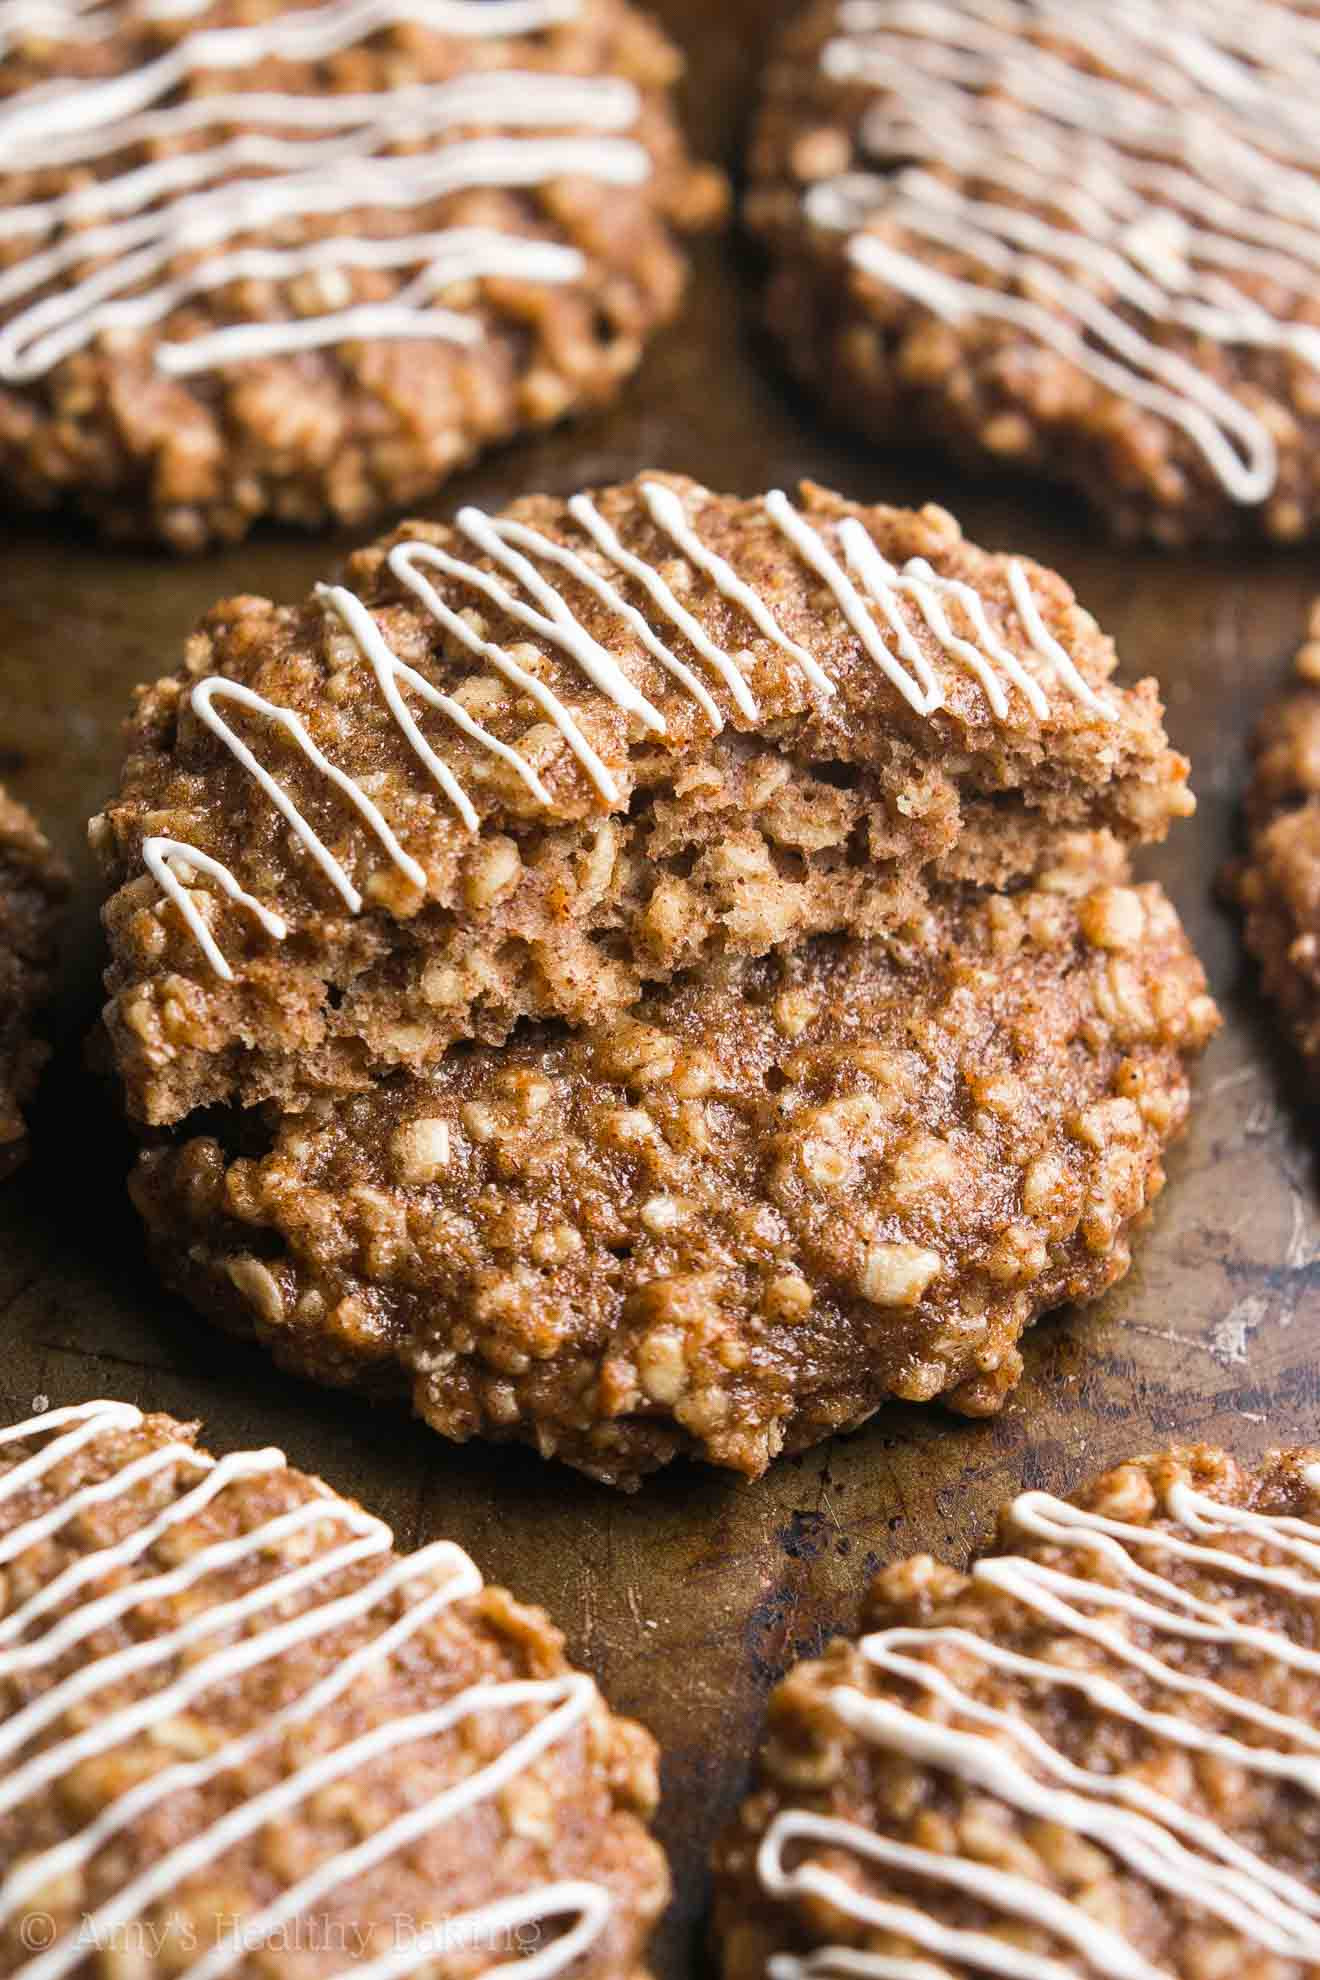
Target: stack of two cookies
x,y
650,973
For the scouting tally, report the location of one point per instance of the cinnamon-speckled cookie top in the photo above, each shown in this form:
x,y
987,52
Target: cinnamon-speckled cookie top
x,y
1074,241
520,765
303,261
1093,1754
733,1219
33,884
242,1737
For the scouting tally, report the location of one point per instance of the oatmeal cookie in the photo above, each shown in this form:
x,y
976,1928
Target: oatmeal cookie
x,y
33,884
521,765
1061,240
303,261
1277,885
1093,1754
243,1736
733,1220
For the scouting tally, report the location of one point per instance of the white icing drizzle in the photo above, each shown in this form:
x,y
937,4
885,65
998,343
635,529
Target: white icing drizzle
x,y
427,1583
202,700
557,623
389,671
18,1619
476,1927
867,1966
328,156
92,1420
79,1848
588,517
876,572
1183,169
570,1696
454,260
924,584
811,548
76,20
403,562
1015,1895
540,546
1047,646
1183,1854
668,514
517,99
159,855
527,592
310,34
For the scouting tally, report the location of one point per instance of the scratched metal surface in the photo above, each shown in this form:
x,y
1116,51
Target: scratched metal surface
x,y
690,1598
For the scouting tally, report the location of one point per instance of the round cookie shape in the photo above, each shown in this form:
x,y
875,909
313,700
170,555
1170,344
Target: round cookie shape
x,y
1084,248
243,1735
33,886
1094,1753
733,1220
519,765
1277,884
302,262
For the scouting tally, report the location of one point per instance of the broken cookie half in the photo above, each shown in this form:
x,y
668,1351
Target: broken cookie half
x,y
521,765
